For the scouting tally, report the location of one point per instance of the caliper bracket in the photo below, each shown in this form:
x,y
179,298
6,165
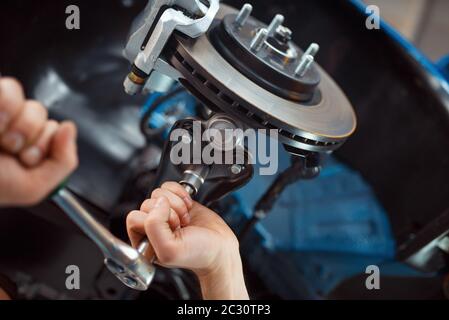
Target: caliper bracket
x,y
155,27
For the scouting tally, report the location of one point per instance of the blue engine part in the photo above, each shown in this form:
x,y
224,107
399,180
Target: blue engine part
x,y
443,65
335,212
165,115
329,228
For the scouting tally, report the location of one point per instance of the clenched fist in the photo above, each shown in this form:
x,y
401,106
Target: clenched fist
x,y
185,234
36,154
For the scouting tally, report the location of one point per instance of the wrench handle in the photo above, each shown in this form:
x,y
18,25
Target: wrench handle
x,y
81,217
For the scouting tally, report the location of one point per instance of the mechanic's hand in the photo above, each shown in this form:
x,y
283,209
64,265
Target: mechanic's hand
x,y
36,154
185,234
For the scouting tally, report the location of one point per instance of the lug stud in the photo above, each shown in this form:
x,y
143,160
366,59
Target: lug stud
x,y
243,15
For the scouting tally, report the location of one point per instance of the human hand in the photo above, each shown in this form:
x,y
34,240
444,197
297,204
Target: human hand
x,y
185,234
36,154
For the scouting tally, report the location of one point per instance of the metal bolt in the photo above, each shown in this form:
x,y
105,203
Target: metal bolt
x,y
259,39
243,15
277,21
312,50
236,169
304,65
307,60
284,33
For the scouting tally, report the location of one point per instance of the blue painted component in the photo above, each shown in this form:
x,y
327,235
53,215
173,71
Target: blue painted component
x,y
330,228
165,115
335,212
443,65
151,99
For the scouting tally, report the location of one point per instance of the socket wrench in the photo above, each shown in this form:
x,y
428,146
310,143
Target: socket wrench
x,y
129,265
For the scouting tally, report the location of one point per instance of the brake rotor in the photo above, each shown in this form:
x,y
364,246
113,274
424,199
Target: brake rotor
x,y
265,81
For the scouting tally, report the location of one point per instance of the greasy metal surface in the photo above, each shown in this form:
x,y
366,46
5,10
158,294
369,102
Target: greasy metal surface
x,y
331,120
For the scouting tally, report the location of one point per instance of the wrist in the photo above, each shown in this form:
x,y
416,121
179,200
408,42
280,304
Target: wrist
x,y
224,280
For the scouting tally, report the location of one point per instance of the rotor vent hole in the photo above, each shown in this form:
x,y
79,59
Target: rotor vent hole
x,y
226,98
198,75
213,88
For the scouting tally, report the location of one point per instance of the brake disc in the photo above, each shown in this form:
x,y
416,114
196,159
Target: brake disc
x,y
256,73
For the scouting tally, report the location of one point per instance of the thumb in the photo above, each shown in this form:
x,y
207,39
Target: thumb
x,y
63,148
